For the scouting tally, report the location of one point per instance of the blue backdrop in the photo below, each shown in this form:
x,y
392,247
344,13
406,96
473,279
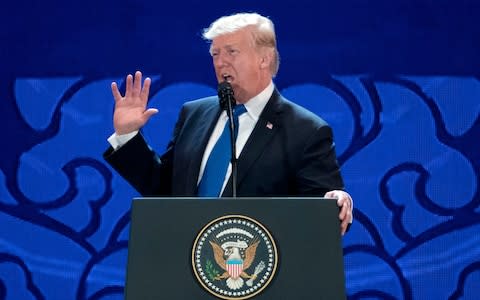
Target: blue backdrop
x,y
397,80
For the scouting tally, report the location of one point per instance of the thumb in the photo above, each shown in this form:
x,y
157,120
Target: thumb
x,y
148,113
331,194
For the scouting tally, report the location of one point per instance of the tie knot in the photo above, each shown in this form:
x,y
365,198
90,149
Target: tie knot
x,y
238,110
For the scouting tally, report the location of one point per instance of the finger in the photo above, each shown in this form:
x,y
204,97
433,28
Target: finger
x,y
137,83
115,92
343,213
343,227
341,202
349,217
146,89
129,86
344,199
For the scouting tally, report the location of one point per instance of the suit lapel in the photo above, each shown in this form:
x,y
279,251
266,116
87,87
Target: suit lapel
x,y
203,127
267,125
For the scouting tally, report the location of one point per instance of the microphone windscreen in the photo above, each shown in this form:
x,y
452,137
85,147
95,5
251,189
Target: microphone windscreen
x,y
225,94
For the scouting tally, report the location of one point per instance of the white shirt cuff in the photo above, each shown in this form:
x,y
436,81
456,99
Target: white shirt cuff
x,y
118,140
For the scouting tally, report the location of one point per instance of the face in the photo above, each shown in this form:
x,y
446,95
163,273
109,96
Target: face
x,y
235,57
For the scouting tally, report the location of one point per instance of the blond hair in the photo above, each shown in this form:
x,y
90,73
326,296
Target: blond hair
x,y
263,32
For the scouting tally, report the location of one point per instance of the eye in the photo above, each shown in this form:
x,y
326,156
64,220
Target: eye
x,y
232,51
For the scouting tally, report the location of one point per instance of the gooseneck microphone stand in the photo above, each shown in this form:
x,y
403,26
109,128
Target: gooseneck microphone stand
x,y
227,102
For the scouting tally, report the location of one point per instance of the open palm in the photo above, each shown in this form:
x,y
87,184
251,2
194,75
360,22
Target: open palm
x,y
131,111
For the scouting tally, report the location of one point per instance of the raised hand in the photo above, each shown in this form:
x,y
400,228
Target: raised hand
x,y
131,111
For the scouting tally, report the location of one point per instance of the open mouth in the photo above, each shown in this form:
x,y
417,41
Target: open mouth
x,y
227,77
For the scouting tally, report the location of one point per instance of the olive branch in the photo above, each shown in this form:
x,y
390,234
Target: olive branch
x,y
210,270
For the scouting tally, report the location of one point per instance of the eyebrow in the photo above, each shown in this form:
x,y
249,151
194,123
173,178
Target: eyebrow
x,y
228,46
225,46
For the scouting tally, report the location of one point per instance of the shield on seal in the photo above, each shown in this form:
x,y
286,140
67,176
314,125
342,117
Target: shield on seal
x,y
234,267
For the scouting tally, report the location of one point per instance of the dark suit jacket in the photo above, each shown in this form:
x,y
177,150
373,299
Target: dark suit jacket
x,y
292,157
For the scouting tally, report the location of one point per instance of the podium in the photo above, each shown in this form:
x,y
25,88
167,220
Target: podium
x,y
235,248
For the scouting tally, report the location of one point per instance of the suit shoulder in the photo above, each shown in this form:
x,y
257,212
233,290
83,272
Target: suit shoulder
x,y
201,103
301,115
200,108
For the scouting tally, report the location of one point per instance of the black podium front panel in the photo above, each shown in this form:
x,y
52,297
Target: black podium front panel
x,y
306,232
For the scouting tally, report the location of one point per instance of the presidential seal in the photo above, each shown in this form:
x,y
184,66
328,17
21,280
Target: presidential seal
x,y
234,257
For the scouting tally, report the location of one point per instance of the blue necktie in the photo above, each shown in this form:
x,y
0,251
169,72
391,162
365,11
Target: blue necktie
x,y
217,163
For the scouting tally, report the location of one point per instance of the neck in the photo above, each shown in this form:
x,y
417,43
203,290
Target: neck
x,y
242,96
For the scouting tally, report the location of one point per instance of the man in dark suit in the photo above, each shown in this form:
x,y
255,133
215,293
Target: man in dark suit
x,y
282,149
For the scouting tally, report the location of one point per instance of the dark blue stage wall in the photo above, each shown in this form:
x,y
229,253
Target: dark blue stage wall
x,y
397,80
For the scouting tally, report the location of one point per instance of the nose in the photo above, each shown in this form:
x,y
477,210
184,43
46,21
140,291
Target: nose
x,y
220,60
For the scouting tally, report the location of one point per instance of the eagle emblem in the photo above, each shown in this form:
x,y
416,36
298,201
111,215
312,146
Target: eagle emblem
x,y
234,257
229,257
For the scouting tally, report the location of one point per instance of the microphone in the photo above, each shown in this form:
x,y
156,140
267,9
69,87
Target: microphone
x,y
225,95
227,102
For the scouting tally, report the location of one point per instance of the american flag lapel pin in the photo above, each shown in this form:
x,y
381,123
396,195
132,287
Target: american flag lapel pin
x,y
269,125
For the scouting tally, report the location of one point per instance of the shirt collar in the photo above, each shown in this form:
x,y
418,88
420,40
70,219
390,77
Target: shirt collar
x,y
256,104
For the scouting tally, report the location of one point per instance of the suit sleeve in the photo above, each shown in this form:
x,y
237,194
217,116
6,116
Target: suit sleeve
x,y
137,163
318,170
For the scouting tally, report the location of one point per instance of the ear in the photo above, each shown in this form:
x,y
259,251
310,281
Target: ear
x,y
266,58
